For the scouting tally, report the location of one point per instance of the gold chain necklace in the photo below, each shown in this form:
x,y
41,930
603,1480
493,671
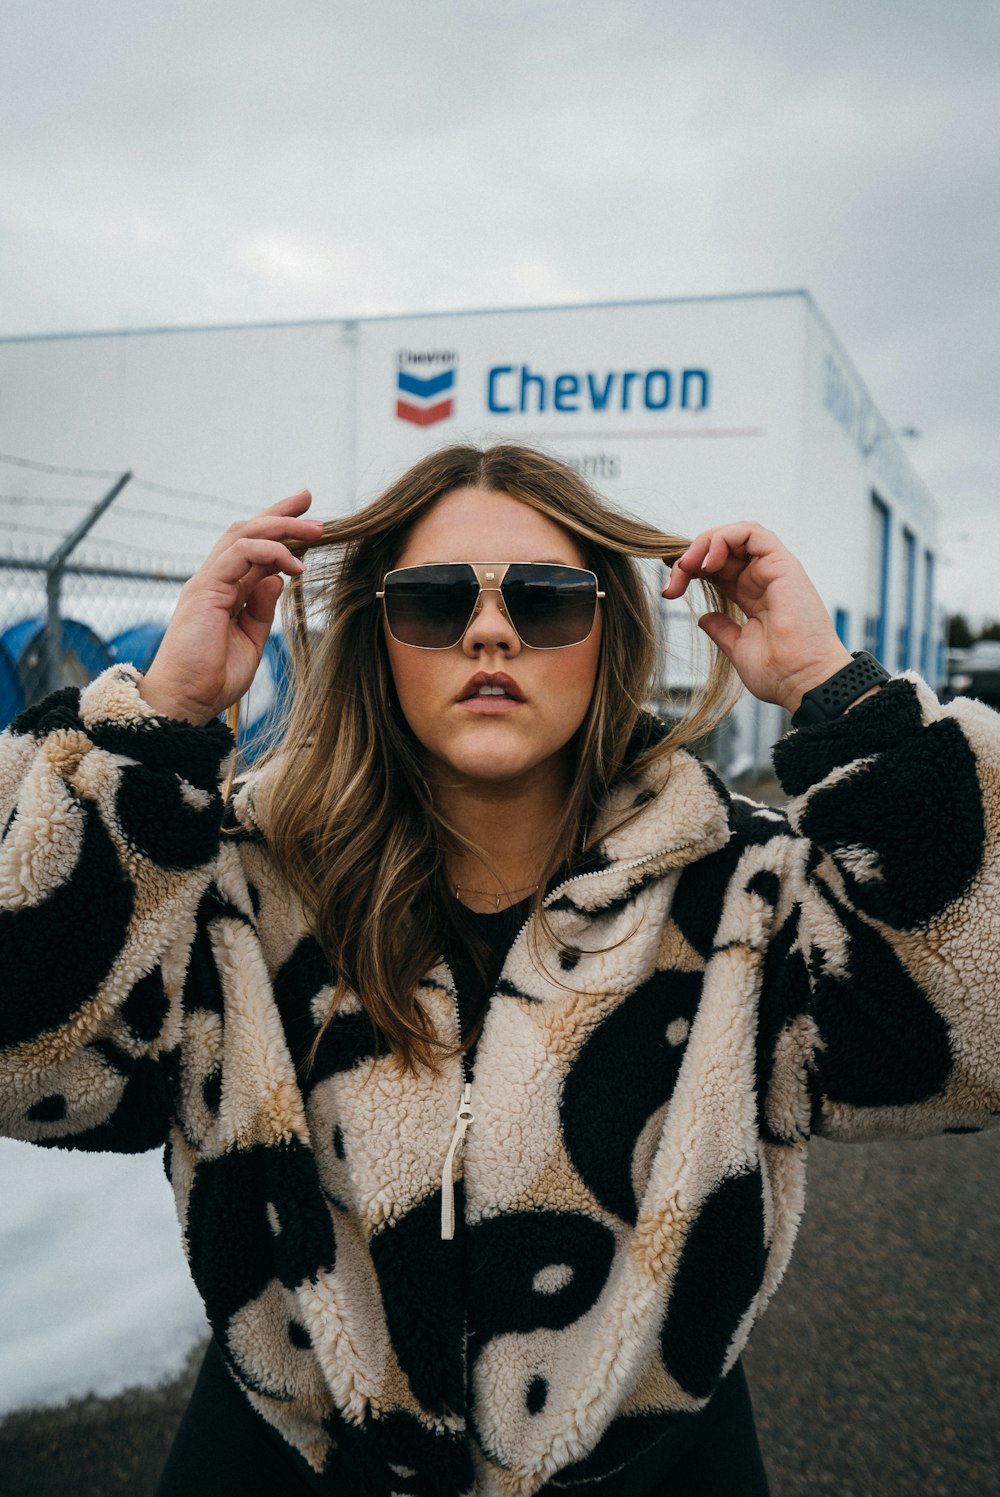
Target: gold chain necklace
x,y
486,894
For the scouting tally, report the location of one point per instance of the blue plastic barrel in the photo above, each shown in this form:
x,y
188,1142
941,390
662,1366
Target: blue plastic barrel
x,y
138,645
266,700
83,654
11,695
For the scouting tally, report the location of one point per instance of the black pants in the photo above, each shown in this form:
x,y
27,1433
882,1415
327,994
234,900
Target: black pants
x,y
223,1448
714,1453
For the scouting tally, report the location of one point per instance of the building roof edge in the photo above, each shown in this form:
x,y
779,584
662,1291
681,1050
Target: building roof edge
x,y
292,322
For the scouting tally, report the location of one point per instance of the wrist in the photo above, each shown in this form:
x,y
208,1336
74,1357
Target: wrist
x,y
839,692
168,703
818,671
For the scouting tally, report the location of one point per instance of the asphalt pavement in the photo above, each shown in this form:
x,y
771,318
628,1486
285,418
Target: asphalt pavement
x,y
876,1370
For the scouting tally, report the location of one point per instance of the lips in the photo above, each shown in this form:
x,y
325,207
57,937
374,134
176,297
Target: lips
x,y
494,679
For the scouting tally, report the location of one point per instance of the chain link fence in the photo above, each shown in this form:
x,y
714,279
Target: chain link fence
x,y
91,565
63,628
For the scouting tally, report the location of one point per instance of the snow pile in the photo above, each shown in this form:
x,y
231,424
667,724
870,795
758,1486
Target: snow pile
x,y
95,1291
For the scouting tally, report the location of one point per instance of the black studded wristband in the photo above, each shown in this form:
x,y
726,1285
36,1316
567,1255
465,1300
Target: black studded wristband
x,y
828,700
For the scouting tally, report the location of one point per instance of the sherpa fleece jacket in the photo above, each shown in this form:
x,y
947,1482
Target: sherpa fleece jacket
x,y
723,982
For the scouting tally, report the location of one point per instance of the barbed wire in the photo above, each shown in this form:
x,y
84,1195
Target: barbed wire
x,y
96,570
161,514
125,511
36,528
44,499
37,467
135,547
137,481
138,549
162,488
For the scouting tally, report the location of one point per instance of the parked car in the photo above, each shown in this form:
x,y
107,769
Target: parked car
x,y
975,672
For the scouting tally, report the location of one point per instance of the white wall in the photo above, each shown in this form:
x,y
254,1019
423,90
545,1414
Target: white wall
x,y
247,414
787,433
680,468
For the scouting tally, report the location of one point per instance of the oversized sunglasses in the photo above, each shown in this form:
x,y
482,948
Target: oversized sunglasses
x,y
549,606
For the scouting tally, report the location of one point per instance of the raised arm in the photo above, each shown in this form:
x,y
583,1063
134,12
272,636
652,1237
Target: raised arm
x,y
112,819
894,930
881,1003
111,809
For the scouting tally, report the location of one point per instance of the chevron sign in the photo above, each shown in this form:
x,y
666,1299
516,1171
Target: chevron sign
x,y
425,386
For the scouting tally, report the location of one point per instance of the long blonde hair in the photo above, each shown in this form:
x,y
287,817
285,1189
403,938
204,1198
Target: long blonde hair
x,y
350,820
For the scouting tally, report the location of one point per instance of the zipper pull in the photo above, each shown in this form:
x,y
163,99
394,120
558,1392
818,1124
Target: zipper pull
x,y
462,1120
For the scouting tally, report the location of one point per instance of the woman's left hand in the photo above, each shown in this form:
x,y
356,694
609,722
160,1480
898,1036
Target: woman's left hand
x,y
788,644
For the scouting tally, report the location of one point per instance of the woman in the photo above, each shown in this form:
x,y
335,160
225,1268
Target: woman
x,y
487,1036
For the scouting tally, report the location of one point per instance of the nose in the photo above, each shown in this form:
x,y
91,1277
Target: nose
x,y
490,628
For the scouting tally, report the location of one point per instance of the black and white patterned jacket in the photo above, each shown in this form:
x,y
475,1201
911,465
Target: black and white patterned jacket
x,y
726,981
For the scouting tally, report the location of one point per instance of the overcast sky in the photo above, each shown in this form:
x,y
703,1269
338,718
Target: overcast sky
x,y
189,163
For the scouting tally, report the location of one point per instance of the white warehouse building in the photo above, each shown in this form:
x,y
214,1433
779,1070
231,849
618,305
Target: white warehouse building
x,y
687,412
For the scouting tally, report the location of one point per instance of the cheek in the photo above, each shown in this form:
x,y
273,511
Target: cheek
x,y
413,675
584,693
585,669
572,683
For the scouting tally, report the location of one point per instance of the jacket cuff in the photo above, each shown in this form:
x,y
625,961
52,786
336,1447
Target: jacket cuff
x,y
113,715
805,756
114,697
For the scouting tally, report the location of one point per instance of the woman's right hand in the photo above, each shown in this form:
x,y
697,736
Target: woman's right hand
x,y
212,646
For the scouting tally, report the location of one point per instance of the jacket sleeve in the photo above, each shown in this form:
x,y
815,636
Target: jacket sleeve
x,y
881,1002
111,820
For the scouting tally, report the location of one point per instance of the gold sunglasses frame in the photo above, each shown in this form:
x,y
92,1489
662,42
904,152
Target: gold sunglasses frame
x,y
490,576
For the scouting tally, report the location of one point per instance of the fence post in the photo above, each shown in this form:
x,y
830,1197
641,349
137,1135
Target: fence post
x,y
55,566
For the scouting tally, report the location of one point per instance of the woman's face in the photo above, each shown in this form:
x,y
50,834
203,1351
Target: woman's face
x,y
492,738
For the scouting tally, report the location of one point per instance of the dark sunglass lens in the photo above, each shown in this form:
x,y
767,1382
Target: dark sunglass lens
x,y
550,606
430,607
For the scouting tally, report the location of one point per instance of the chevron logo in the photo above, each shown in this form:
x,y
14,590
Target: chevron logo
x,y
426,398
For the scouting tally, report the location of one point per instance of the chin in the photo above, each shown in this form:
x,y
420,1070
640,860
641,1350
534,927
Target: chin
x,y
492,768
497,755
495,758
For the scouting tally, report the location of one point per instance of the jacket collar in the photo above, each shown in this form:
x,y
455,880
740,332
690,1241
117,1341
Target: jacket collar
x,y
651,821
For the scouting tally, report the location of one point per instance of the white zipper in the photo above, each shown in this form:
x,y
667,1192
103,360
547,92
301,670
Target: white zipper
x,y
465,1115
462,1120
